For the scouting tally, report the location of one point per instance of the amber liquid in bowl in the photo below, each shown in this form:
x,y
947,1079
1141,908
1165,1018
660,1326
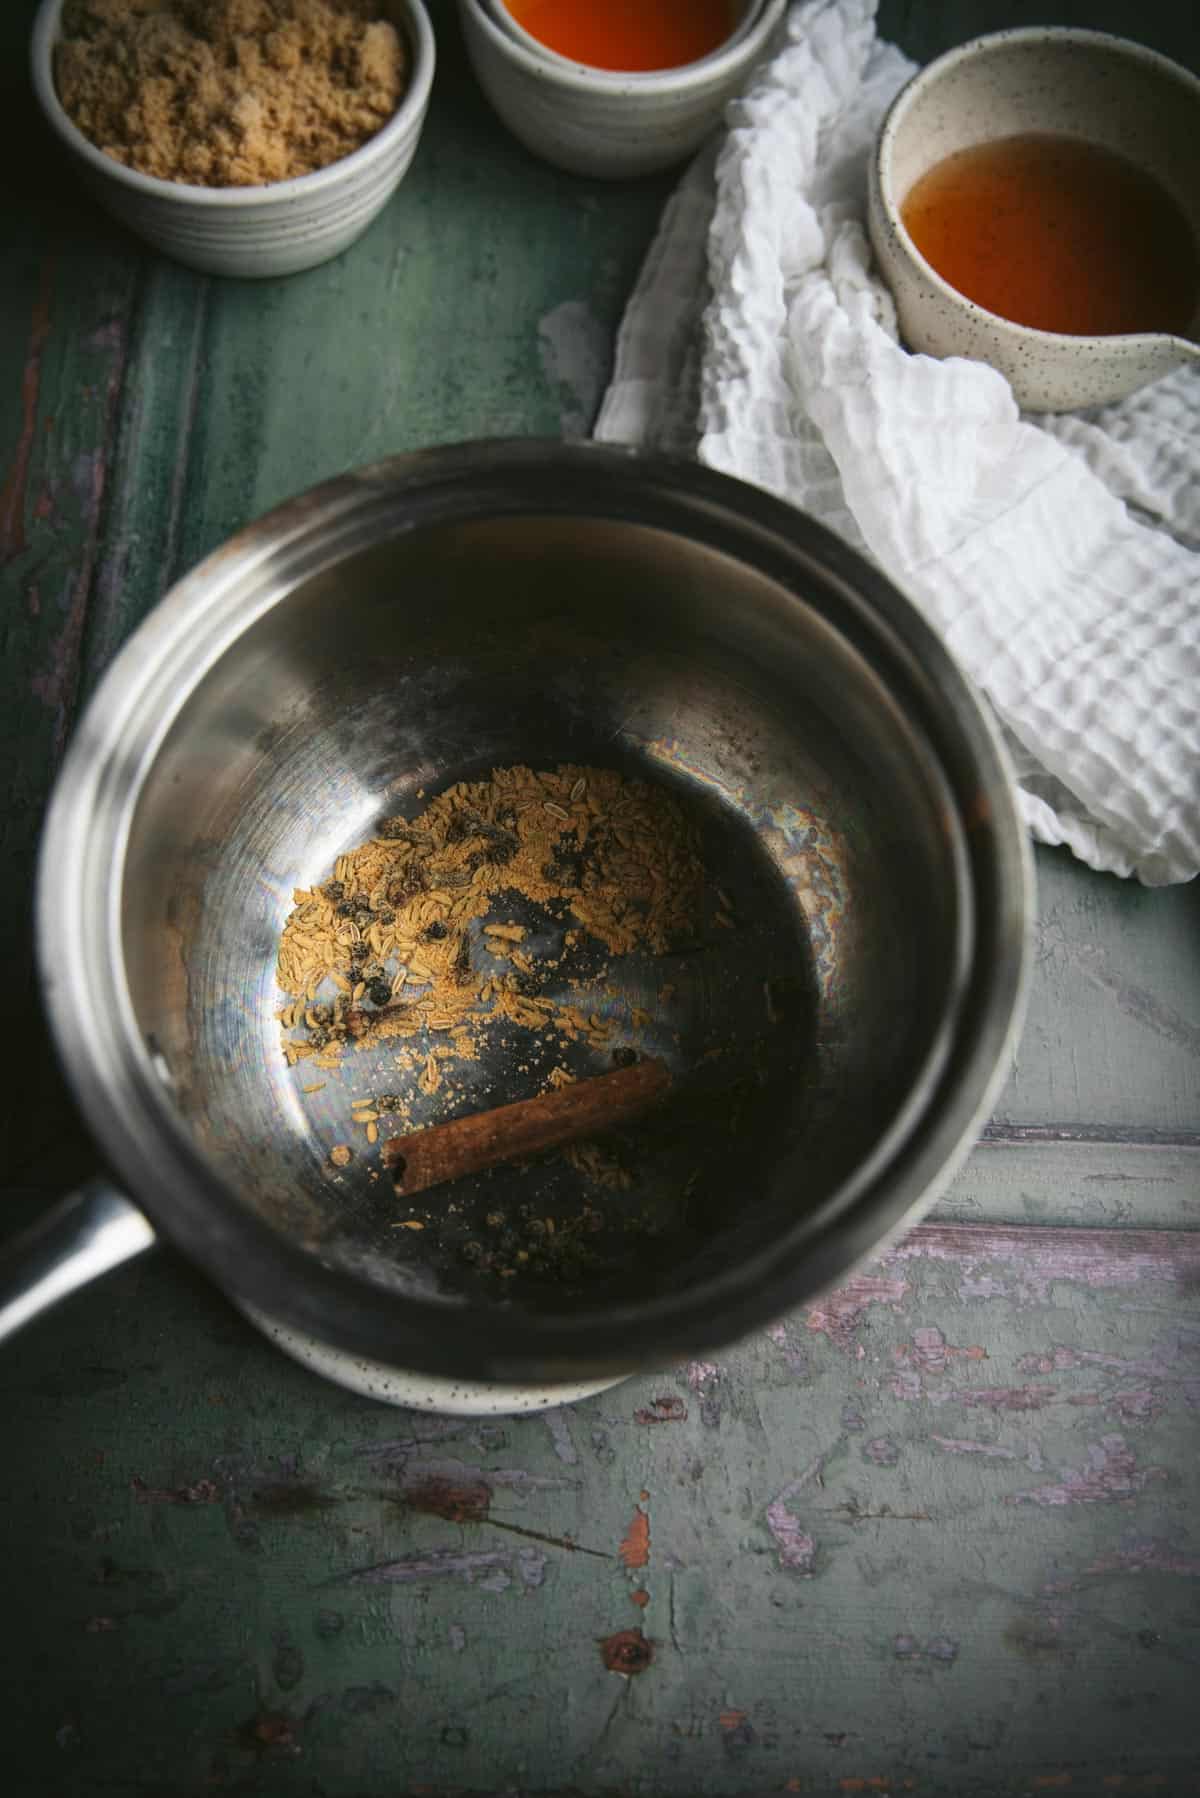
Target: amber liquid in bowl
x,y
1058,234
630,35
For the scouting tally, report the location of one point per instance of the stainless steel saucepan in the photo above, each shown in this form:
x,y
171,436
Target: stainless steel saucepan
x,y
835,1046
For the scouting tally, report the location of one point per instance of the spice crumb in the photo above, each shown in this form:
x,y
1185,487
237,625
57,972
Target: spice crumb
x,y
515,933
408,913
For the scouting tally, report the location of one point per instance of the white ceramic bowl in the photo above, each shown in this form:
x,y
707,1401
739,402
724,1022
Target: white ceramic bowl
x,y
498,11
600,121
271,230
1083,84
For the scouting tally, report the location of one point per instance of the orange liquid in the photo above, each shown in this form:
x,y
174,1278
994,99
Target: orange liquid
x,y
628,34
1058,234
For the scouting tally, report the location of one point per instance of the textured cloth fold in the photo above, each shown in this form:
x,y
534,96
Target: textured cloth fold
x,y
1057,555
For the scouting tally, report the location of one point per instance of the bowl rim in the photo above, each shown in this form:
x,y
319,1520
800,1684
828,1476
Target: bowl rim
x,y
752,12
81,870
581,77
46,31
925,77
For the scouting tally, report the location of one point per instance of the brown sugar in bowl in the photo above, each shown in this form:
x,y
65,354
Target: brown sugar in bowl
x,y
274,227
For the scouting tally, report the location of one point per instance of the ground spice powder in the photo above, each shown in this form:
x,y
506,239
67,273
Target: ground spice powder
x,y
228,93
385,949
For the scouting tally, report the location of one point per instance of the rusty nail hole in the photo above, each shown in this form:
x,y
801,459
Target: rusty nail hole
x,y
626,1652
466,1503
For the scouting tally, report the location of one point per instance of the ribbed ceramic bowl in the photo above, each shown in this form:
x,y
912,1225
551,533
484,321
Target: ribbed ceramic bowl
x,y
1082,84
605,122
276,229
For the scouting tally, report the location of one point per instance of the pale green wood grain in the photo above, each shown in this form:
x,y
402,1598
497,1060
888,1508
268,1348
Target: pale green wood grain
x,y
1113,1029
1093,1183
941,1527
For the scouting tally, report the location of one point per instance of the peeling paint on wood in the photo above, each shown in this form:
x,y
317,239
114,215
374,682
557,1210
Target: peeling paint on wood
x,y
492,1568
1109,1473
810,1539
14,488
931,1353
668,1409
456,1503
1032,1260
797,1549
634,1550
560,1433
840,1312
202,1492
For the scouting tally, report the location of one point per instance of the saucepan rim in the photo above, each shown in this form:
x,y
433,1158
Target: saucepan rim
x,y
111,1069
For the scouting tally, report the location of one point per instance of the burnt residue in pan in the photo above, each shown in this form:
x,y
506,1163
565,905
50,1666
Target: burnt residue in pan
x,y
729,1005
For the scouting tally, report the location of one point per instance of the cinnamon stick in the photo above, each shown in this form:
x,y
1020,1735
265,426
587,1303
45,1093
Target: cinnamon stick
x,y
467,1145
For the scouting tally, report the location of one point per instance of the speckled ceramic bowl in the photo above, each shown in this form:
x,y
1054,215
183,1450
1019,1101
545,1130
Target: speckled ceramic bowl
x,y
389,1385
600,121
1084,84
271,230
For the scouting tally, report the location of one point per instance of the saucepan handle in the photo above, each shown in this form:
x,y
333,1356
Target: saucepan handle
x,y
87,1233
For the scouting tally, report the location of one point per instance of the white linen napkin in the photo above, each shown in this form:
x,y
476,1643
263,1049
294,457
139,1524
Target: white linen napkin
x,y
1057,555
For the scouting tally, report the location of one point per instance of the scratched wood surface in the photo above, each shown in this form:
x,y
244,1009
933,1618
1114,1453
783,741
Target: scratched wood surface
x,y
935,1535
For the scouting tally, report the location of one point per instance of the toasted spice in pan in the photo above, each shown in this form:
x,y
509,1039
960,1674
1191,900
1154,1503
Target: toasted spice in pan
x,y
385,948
412,945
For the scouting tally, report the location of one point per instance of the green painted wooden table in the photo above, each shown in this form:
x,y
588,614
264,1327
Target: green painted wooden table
x,y
935,1534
